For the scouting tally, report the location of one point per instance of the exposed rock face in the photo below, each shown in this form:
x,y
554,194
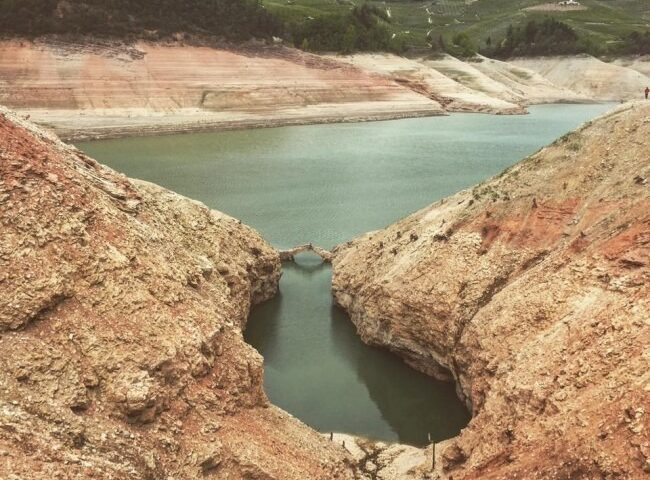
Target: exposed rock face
x,y
533,291
121,309
589,76
104,90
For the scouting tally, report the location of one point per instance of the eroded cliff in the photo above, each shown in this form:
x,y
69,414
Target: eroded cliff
x,y
121,309
532,291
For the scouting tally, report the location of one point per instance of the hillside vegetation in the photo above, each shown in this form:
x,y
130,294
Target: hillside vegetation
x,y
364,28
501,28
601,26
231,19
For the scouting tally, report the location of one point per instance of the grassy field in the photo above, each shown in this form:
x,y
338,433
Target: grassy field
x,y
603,21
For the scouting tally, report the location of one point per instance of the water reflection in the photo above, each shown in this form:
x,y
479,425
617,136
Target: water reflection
x,y
329,378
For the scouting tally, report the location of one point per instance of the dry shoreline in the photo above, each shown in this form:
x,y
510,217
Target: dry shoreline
x,y
90,133
125,131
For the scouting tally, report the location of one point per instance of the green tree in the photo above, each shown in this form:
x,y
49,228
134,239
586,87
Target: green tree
x,y
463,45
349,42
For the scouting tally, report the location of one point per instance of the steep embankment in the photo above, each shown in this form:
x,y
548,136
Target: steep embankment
x,y
640,64
589,76
502,80
418,76
533,291
104,90
121,309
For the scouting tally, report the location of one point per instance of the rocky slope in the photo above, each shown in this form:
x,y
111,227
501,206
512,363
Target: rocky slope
x,y
532,291
589,76
121,310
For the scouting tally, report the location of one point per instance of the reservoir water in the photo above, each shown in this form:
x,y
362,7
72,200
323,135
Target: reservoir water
x,y
325,184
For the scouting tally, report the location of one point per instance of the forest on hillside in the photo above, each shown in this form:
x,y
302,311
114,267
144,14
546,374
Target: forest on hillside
x,y
230,19
364,28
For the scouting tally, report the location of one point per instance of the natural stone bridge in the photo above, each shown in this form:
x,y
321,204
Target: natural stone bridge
x,y
288,255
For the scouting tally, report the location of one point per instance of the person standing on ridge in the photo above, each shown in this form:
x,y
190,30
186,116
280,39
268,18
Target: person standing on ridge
x,y
647,91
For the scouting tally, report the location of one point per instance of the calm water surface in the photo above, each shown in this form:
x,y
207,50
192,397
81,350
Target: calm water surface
x,y
325,184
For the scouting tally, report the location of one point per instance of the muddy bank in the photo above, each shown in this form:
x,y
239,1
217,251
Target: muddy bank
x,y
531,292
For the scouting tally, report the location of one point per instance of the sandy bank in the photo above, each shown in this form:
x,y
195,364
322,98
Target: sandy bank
x,y
115,123
640,64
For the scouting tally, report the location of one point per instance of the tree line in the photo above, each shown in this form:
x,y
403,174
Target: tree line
x,y
364,28
540,38
231,19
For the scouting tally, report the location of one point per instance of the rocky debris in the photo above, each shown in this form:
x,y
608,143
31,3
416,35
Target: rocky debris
x,y
385,461
531,291
121,313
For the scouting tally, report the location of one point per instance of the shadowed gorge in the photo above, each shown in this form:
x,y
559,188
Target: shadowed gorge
x,y
320,184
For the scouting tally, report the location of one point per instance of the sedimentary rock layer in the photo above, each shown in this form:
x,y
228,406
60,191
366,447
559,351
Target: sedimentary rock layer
x,y
121,310
532,291
102,89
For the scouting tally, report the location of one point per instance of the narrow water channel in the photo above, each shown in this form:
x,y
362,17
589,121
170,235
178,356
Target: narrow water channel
x,y
325,184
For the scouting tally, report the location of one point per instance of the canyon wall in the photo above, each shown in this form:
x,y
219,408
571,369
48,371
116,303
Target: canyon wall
x,y
121,313
532,292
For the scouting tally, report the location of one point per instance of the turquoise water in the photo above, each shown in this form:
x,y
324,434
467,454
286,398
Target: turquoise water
x,y
325,184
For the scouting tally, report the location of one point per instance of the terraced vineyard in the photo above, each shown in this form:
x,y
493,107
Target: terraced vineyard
x,y
604,22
